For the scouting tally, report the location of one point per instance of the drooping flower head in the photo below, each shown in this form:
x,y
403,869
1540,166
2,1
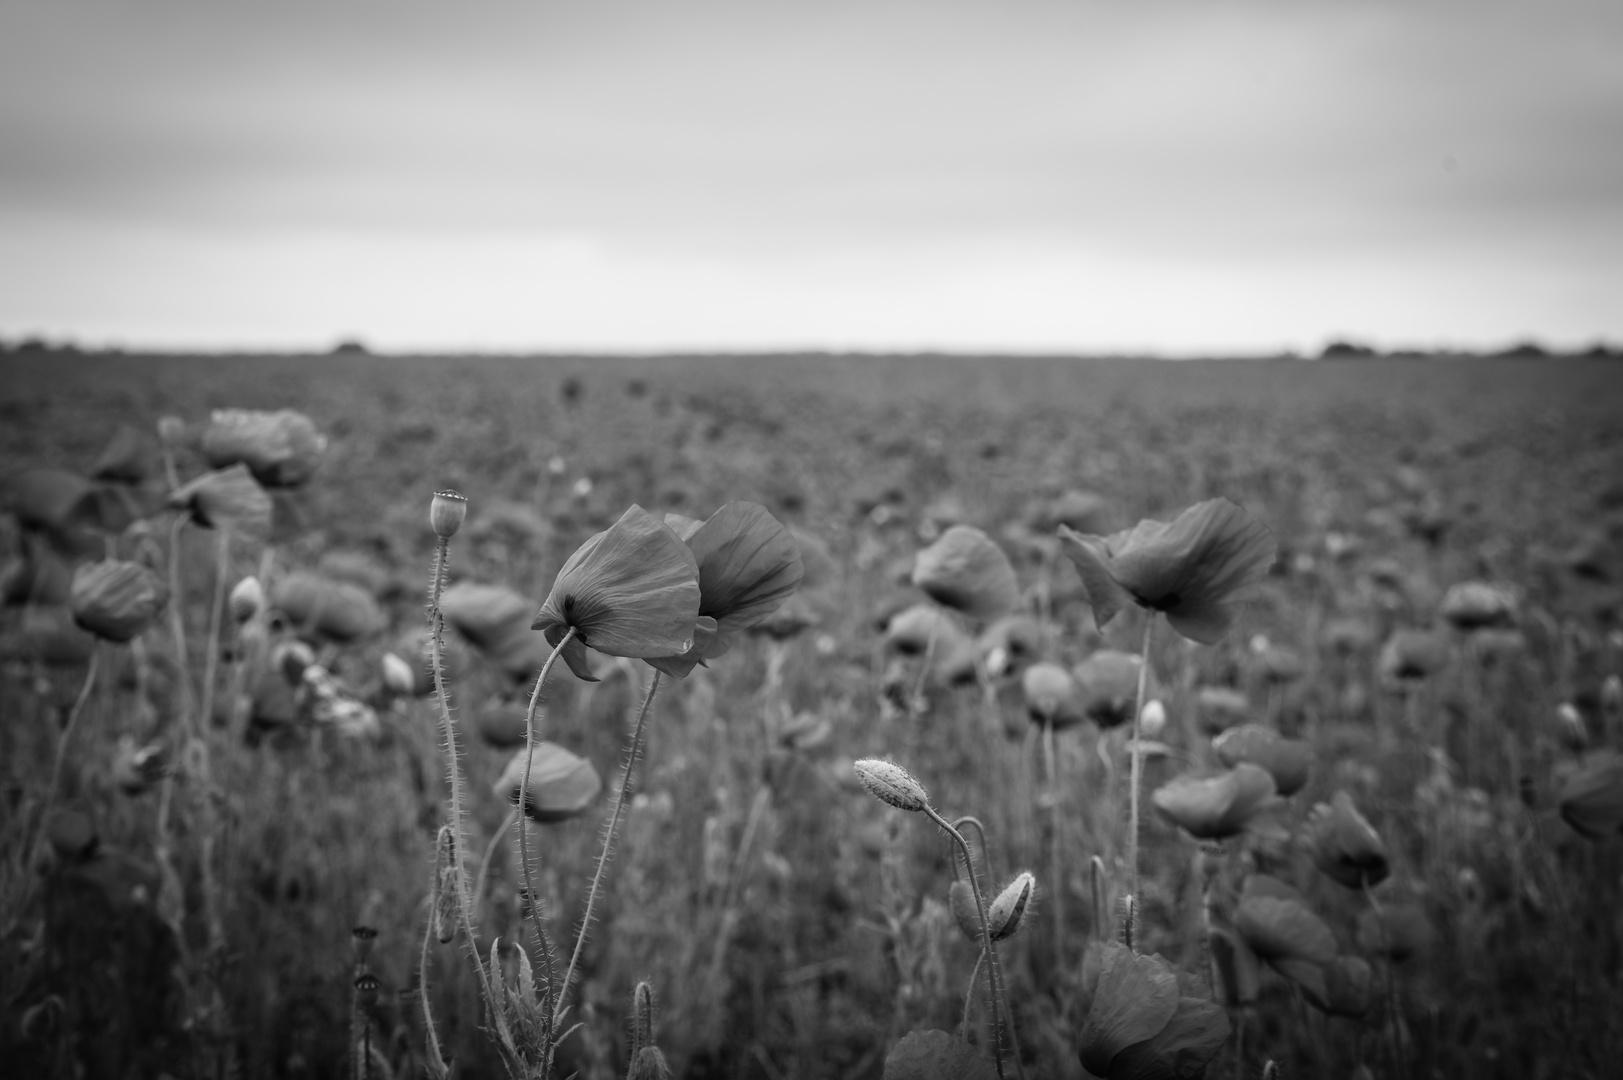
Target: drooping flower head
x,y
1344,845
631,590
1194,570
748,565
226,499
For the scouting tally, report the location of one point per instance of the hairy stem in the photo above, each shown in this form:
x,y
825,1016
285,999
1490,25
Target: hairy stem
x,y
436,1065
608,844
542,942
986,938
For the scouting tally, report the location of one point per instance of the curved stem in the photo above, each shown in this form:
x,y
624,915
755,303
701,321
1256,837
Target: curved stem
x,y
211,658
986,938
969,994
436,1066
1135,903
608,844
542,942
490,854
436,623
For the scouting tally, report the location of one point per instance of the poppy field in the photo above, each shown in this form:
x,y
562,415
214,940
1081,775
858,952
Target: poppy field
x,y
999,718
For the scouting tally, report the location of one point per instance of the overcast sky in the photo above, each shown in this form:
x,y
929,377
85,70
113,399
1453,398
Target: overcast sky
x,y
1072,176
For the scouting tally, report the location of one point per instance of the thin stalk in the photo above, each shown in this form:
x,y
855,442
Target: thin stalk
x,y
1057,893
211,658
542,941
1135,765
969,994
436,1066
62,750
177,624
608,844
436,624
986,938
490,854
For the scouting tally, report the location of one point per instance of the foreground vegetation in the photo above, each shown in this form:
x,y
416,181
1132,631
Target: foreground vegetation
x,y
181,887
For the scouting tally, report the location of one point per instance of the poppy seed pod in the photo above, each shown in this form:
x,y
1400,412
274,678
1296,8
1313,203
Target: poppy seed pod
x,y
562,785
281,449
1008,909
890,783
632,590
116,600
1288,761
1591,799
965,570
247,599
447,512
1220,806
226,499
1345,846
1194,570
748,566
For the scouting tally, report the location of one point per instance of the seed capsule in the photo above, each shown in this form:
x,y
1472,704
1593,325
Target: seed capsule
x,y
447,512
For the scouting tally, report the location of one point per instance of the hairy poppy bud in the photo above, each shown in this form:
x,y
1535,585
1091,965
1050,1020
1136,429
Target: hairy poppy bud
x,y
445,895
116,600
398,676
247,599
961,902
890,783
1008,910
447,512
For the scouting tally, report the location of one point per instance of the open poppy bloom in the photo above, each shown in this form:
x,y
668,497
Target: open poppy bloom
x,y
1288,761
226,499
1193,570
966,571
1344,845
1218,806
1142,1026
631,590
748,566
1276,922
281,449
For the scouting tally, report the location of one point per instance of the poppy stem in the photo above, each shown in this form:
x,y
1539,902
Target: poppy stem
x,y
608,846
62,751
986,937
1135,766
436,625
543,943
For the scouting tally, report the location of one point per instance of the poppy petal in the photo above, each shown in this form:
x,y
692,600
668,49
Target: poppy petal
x,y
965,570
1135,998
574,653
1194,1035
1091,558
748,564
705,640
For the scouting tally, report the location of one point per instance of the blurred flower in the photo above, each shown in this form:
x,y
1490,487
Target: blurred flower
x,y
1236,972
1220,707
632,590
1193,570
1212,808
1142,1027
1288,761
127,458
1397,931
1154,718
1343,845
399,676
562,785
116,600
1275,663
281,449
748,566
1277,923
1051,696
1570,724
1346,636
1475,605
247,599
966,571
1084,511
319,606
1009,644
38,576
1343,987
1108,684
226,499
135,767
1591,799
1412,655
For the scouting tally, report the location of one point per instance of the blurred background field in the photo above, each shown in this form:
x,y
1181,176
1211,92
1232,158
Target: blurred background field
x,y
792,926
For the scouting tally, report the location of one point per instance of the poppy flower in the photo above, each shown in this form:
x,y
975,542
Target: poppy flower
x,y
1288,761
495,620
1215,807
319,606
1108,684
1193,570
1412,655
1142,1027
1345,846
631,590
562,784
1591,799
1219,708
281,449
1009,644
748,566
1051,695
127,458
1276,922
225,499
966,571
116,600
1476,605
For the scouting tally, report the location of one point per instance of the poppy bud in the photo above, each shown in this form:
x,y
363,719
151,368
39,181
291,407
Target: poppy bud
x,y
961,902
136,768
890,783
1574,733
398,676
447,512
642,1016
1345,846
71,834
445,891
116,600
247,599
1008,910
1153,720
649,1064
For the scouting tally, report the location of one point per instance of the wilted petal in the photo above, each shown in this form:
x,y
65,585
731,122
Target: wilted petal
x,y
1091,558
748,565
1135,998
